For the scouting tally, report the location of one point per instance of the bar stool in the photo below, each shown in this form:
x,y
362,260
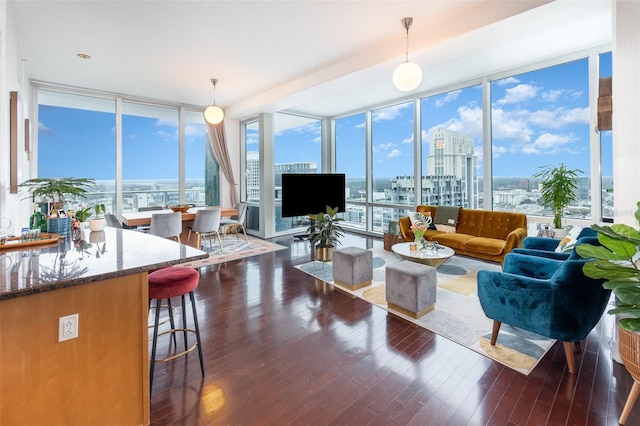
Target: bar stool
x,y
171,282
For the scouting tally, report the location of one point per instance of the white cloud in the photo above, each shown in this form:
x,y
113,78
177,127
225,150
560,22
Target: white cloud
x,y
468,122
519,93
424,136
551,95
394,153
450,97
389,113
44,129
497,150
408,140
559,117
508,80
386,146
550,143
252,140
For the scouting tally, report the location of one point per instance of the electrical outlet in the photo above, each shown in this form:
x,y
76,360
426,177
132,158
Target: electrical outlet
x,y
68,327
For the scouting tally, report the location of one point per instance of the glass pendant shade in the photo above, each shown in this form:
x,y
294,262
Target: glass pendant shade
x,y
214,114
407,76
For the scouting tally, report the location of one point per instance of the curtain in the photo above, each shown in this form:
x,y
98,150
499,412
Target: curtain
x,y
218,140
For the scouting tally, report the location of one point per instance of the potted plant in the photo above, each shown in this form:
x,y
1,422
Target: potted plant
x,y
324,233
558,189
617,261
98,222
54,192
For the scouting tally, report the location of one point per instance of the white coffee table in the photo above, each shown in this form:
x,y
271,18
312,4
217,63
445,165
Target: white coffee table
x,y
428,257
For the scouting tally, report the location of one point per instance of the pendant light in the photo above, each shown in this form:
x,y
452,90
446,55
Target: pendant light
x,y
408,75
213,113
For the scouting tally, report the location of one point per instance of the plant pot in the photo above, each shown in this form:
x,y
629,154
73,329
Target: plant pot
x,y
559,232
97,224
629,347
324,254
59,225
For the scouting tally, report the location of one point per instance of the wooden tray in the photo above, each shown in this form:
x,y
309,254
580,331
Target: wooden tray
x,y
16,242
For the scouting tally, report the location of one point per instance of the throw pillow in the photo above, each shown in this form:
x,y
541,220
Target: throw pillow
x,y
445,228
416,217
569,241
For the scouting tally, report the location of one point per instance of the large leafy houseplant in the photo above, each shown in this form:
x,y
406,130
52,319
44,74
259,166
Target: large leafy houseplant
x,y
324,230
324,233
558,189
617,261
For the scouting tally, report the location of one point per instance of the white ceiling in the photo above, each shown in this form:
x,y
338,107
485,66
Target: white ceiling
x,y
320,57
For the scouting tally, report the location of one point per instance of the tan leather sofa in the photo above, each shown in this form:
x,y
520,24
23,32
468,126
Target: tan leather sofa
x,y
483,234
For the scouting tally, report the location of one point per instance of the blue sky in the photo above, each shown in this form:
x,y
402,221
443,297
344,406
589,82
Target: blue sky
x,y
539,118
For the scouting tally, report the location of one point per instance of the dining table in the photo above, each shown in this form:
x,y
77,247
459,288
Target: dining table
x,y
143,218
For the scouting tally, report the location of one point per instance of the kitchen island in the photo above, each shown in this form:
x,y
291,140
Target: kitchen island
x,y
102,376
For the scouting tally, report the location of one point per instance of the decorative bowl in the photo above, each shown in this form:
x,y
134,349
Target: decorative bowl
x,y
182,208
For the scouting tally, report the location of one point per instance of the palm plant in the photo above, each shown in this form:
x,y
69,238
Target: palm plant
x,y
55,190
558,189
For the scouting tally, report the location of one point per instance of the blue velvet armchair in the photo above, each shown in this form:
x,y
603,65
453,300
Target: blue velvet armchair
x,y
545,247
549,297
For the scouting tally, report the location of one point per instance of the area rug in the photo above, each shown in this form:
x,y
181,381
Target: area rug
x,y
458,315
233,248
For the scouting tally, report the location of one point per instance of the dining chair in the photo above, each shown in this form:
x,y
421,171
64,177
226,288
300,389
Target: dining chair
x,y
207,222
166,225
149,208
236,221
112,220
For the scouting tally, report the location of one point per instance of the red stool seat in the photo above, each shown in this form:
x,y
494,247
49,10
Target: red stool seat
x,y
172,282
164,284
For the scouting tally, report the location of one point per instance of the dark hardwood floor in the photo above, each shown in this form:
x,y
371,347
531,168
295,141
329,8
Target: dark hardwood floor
x,y
282,348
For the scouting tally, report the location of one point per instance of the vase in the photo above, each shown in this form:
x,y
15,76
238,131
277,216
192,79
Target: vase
x,y
419,242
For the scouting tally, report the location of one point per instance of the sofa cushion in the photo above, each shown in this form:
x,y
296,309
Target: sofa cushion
x,y
445,228
485,245
454,241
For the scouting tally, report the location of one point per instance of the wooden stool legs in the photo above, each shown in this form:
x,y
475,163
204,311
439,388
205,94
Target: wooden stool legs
x,y
631,399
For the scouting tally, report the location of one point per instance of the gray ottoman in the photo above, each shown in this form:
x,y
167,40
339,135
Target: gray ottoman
x,y
352,267
411,288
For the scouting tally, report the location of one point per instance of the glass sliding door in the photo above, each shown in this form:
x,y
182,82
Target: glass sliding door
x,y
251,178
150,156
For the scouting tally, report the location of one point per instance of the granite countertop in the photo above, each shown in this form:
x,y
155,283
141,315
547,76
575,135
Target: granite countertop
x,y
96,256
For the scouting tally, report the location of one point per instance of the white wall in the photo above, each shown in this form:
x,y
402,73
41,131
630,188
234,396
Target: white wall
x,y
13,77
626,110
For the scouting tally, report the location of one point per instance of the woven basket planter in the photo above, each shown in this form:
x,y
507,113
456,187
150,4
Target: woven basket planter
x,y
629,347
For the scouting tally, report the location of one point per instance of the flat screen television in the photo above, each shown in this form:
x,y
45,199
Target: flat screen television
x,y
304,193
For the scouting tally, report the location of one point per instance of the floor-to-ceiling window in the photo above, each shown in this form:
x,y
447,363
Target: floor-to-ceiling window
x,y
351,159
451,148
150,156
251,179
392,141
78,136
297,149
202,173
76,139
538,119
